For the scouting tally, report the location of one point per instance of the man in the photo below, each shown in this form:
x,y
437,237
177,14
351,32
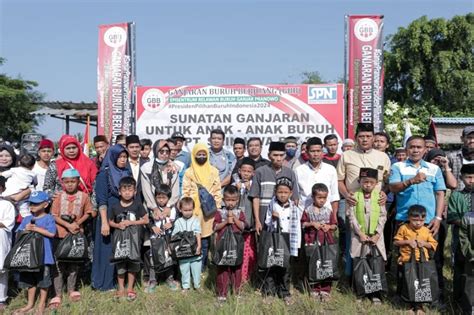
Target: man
x,y
133,146
430,143
347,144
101,145
220,158
145,151
254,149
264,181
348,169
417,182
239,152
121,139
317,171
331,144
464,156
45,154
181,155
400,154
381,141
291,147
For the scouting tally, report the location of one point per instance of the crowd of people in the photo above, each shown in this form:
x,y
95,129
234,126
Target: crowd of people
x,y
362,201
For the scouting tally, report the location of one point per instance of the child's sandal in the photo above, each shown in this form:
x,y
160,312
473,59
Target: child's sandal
x,y
75,296
131,295
55,303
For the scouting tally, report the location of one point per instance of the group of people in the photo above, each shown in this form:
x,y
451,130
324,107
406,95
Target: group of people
x,y
304,192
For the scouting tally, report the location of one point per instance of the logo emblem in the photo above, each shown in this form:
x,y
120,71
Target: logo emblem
x,y
322,94
153,100
366,30
115,37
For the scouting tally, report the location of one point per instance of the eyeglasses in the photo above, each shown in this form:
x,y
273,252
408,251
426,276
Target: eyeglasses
x,y
164,151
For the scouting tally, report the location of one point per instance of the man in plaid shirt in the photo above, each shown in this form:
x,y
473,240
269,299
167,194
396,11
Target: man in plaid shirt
x,y
464,156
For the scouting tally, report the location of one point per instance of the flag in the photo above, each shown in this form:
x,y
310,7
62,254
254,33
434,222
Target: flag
x,y
85,141
407,133
432,131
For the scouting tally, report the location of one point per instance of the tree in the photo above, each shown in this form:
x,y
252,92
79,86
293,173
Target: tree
x,y
430,64
312,77
17,98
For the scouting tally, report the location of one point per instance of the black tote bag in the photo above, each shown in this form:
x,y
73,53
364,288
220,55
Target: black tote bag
x,y
126,245
273,249
27,253
322,261
183,245
369,273
420,279
72,248
161,252
229,249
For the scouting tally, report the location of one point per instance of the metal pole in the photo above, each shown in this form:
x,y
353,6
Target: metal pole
x,y
67,124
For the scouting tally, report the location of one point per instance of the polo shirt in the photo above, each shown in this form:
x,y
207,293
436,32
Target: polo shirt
x,y
223,161
422,193
307,176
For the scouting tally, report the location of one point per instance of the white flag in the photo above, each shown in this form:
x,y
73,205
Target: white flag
x,y
407,133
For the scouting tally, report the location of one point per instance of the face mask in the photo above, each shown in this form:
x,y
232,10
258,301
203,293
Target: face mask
x,y
201,160
161,162
305,156
290,152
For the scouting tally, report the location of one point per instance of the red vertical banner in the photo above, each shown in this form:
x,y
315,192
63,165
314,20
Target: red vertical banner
x,y
364,71
116,79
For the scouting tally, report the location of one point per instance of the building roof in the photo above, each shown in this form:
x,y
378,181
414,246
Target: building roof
x,y
454,120
75,110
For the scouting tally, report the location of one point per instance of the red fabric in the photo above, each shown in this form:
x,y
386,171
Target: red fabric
x,y
82,163
250,256
321,287
310,233
235,229
226,275
336,157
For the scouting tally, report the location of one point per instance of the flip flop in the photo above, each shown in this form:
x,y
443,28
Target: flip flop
x,y
75,296
55,303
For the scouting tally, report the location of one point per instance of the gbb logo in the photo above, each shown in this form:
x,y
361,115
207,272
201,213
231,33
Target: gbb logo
x,y
322,94
366,30
115,37
153,100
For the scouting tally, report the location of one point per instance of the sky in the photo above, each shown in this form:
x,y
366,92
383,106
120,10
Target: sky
x,y
189,42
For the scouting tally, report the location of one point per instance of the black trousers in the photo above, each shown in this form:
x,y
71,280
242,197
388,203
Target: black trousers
x,y
277,282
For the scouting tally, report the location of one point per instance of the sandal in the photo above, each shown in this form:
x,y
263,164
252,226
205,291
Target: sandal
x,y
55,303
75,296
131,295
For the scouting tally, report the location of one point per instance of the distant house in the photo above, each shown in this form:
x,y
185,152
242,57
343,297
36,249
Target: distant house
x,y
449,129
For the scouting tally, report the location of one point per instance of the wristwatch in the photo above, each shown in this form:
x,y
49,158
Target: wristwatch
x,y
439,218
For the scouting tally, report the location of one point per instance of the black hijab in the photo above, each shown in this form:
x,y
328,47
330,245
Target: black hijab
x,y
9,149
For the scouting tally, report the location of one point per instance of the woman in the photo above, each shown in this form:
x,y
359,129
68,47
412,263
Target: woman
x,y
201,172
71,156
115,167
7,157
160,171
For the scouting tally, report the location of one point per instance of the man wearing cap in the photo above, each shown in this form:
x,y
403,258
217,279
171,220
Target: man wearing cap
x,y
101,145
264,182
181,155
464,156
220,158
291,148
45,154
254,149
430,143
347,144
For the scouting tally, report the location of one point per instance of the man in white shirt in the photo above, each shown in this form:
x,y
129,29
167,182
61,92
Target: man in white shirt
x,y
45,154
316,171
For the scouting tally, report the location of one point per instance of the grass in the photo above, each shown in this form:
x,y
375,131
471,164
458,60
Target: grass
x,y
164,301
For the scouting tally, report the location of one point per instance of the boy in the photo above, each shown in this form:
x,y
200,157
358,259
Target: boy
x,y
367,220
190,223
243,182
231,215
145,150
413,235
161,224
70,209
460,203
7,222
42,223
127,212
284,213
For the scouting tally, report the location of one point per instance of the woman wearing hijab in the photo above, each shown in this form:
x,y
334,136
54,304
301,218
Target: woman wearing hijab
x,y
114,168
159,171
201,172
71,156
7,157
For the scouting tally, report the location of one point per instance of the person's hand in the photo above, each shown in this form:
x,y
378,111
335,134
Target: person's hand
x,y
351,200
363,238
166,212
156,230
247,185
325,228
374,239
275,214
230,220
30,227
167,226
444,162
238,185
105,229
419,178
258,227
73,227
157,215
198,250
316,225
434,226
382,198
413,244
422,244
122,225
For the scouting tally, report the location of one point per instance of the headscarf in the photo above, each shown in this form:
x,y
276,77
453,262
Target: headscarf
x,y
81,162
433,153
158,166
201,172
115,173
11,151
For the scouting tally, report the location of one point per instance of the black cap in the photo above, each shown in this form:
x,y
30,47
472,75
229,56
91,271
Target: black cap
x,y
178,135
247,161
276,146
368,172
467,169
369,127
239,141
132,139
313,141
467,130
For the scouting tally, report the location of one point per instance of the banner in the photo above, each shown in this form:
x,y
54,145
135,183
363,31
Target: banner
x,y
364,71
270,112
116,80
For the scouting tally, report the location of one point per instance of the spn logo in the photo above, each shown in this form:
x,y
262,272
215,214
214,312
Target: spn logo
x,y
322,94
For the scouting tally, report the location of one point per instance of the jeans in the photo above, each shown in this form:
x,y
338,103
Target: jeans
x,y
205,251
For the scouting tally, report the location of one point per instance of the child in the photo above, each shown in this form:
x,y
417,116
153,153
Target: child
x,y
42,223
367,220
127,212
466,238
459,204
243,182
7,222
191,265
283,212
233,216
70,209
161,223
413,236
19,179
318,222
